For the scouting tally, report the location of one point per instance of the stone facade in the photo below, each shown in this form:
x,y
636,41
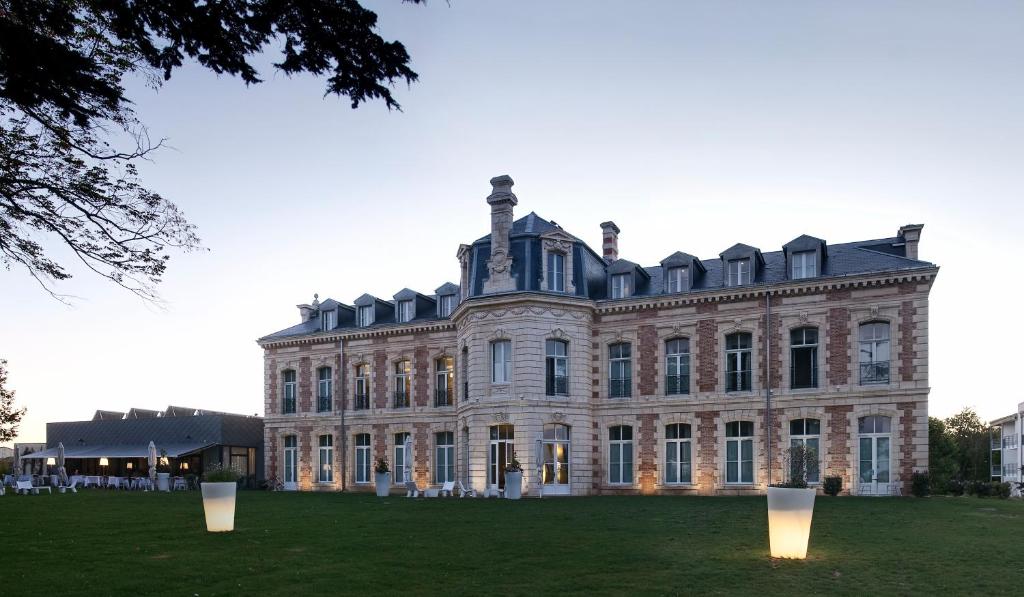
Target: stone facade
x,y
497,310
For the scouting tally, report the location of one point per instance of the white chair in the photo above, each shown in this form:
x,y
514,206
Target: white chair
x,y
71,485
447,488
179,484
463,492
411,489
26,487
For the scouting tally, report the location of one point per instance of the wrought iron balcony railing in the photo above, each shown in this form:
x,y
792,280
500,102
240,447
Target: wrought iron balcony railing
x,y
288,407
557,385
323,404
443,397
1009,442
677,384
401,400
620,388
877,372
362,402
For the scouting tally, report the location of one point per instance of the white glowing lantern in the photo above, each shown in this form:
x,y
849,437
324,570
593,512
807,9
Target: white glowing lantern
x,y
104,462
51,461
789,521
219,506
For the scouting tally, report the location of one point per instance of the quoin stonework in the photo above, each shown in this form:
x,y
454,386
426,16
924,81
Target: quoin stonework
x,y
603,376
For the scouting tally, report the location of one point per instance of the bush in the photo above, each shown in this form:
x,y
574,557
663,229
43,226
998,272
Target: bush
x,y
1001,490
979,488
382,466
219,473
833,485
955,487
920,484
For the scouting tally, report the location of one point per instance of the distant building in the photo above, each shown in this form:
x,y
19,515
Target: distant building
x,y
603,376
1007,455
6,453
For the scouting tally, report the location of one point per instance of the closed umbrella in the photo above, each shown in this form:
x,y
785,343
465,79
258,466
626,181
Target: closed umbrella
x,y
61,471
408,459
152,465
540,468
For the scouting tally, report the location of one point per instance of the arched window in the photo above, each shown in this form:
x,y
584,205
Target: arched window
x,y
738,359
444,457
807,433
362,387
325,473
678,465
803,358
874,352
444,392
403,383
324,389
739,452
362,458
677,366
400,458
556,367
288,392
874,444
620,370
620,457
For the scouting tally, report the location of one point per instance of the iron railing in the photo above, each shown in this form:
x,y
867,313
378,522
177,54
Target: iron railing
x,y
362,402
1010,470
401,399
443,397
288,407
620,388
877,372
738,381
557,385
1009,442
677,384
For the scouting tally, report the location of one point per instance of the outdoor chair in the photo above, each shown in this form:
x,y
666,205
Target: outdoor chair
x,y
463,492
26,487
2,490
71,485
411,489
447,488
179,483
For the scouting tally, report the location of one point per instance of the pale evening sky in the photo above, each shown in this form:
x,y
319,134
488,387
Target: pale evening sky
x,y
692,125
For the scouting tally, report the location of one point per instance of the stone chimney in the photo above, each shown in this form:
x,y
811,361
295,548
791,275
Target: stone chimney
x,y
307,312
911,235
499,266
611,240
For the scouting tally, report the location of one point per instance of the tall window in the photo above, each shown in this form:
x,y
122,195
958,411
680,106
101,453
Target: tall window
x,y
804,265
326,469
620,286
739,452
739,272
620,459
444,393
447,304
874,447
324,387
620,370
400,458
501,361
362,387
678,279
291,457
738,362
365,315
362,458
678,466
403,383
874,352
556,272
677,366
404,311
557,368
288,402
327,320
803,358
807,433
444,457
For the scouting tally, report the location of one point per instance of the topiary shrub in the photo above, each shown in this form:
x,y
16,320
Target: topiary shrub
x,y
832,485
955,487
920,484
1001,490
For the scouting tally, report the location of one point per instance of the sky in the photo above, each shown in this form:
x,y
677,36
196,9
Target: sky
x,y
692,125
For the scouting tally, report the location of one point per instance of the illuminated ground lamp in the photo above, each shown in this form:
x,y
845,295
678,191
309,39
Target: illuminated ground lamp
x,y
789,521
129,465
219,506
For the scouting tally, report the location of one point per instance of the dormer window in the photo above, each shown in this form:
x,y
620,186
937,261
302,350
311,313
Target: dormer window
x,y
739,272
556,272
328,321
678,279
804,265
403,312
447,304
620,286
365,315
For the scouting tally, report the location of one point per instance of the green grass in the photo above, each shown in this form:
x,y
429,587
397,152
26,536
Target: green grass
x,y
106,543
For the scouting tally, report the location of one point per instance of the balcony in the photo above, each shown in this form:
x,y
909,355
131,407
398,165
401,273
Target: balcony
x,y
1010,442
362,402
557,385
401,400
443,397
872,373
677,384
323,404
288,407
620,388
1010,471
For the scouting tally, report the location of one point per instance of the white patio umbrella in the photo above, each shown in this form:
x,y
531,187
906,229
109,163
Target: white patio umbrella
x,y
540,468
408,458
61,471
152,464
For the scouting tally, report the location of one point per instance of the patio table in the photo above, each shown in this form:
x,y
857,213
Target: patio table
x,y
114,482
93,480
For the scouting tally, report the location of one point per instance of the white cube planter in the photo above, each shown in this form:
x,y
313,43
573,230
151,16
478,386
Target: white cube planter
x,y
162,481
513,485
383,484
219,505
789,521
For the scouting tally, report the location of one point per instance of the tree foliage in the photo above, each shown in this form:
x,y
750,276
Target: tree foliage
x,y
70,142
973,449
943,458
10,417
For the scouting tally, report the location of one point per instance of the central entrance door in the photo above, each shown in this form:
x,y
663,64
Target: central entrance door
x,y
555,456
501,453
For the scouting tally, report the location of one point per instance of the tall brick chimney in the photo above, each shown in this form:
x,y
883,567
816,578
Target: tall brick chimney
x,y
611,240
911,235
501,200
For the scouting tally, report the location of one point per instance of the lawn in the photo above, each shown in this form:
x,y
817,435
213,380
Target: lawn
x,y
106,543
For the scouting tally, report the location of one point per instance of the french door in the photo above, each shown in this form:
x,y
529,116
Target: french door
x,y
555,449
501,453
874,465
291,463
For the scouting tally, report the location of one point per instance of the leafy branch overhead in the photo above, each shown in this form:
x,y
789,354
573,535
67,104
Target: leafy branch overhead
x,y
63,112
10,417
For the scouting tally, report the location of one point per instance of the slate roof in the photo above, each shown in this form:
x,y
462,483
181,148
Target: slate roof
x,y
229,430
531,223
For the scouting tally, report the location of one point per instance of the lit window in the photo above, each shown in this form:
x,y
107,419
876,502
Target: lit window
x,y
447,304
874,352
678,279
501,361
404,311
806,433
620,286
324,387
677,366
739,272
365,315
444,458
803,356
327,320
556,368
556,272
403,383
739,452
678,466
805,265
326,468
620,460
288,406
362,458
362,387
620,370
445,378
400,456
738,362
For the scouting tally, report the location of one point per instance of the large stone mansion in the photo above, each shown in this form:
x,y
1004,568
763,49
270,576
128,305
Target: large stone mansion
x,y
604,376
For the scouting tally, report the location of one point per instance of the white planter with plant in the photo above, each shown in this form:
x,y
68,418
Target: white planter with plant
x,y
791,507
219,486
382,477
513,479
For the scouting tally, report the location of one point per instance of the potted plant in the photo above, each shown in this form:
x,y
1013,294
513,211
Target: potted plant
x,y
163,472
513,479
382,477
220,483
791,506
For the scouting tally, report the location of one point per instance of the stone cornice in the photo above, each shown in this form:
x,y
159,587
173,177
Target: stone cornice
x,y
359,333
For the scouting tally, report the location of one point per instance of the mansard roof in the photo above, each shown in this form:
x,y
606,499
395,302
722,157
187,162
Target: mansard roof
x,y
407,294
740,250
804,242
447,288
681,259
531,225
